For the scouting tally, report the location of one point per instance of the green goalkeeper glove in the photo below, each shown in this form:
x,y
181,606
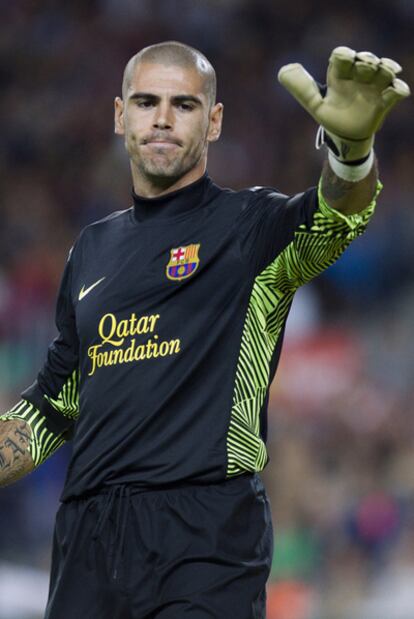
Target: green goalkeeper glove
x,y
361,90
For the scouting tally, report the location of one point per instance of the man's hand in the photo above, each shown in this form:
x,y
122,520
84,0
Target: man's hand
x,y
361,90
15,459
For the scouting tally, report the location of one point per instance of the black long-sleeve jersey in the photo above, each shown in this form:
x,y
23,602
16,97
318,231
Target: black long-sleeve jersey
x,y
171,317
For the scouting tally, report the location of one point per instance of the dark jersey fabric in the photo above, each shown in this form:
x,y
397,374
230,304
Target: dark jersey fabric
x,y
159,414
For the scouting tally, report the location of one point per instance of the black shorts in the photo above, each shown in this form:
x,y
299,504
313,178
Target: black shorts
x,y
195,551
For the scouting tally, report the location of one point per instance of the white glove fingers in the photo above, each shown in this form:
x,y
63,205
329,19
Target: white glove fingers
x,y
341,62
399,90
301,85
366,67
368,57
361,90
391,64
384,77
364,72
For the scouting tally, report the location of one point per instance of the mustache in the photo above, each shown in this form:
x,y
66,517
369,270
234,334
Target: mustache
x,y
160,137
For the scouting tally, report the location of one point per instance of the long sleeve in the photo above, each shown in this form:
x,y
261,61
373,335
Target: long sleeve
x,y
51,404
293,239
317,246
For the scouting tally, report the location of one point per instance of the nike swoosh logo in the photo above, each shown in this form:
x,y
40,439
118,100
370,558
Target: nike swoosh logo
x,y
84,291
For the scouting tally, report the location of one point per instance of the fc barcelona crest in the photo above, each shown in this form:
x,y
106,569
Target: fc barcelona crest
x,y
183,262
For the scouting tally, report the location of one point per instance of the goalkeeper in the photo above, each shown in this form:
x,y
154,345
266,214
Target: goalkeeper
x,y
170,320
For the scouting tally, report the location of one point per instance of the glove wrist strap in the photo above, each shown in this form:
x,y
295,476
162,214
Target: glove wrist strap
x,y
350,171
344,149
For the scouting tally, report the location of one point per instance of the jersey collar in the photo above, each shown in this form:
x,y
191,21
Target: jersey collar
x,y
169,205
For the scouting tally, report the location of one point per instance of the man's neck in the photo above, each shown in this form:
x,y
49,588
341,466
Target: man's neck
x,y
157,187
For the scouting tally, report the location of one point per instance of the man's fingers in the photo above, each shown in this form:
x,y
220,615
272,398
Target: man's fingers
x,y
364,72
341,62
368,57
361,89
384,77
387,71
365,67
392,65
301,85
399,90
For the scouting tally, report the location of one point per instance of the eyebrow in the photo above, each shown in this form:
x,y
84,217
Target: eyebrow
x,y
175,99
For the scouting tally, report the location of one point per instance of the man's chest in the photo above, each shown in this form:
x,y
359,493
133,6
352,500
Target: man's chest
x,y
155,282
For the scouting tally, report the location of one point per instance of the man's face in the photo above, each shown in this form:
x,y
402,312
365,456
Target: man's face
x,y
166,120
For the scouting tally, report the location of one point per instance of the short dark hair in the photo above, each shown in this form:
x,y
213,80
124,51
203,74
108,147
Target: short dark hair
x,y
176,54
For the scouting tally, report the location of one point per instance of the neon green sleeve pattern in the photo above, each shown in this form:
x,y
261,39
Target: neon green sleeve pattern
x,y
67,401
316,248
43,442
310,251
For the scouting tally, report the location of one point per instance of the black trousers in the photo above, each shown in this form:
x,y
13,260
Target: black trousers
x,y
194,551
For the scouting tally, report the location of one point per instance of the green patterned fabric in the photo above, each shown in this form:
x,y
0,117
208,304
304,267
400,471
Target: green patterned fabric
x,y
310,252
43,442
67,401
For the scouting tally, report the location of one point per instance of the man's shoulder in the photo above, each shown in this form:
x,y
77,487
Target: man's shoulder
x,y
106,224
249,195
261,191
100,229
113,218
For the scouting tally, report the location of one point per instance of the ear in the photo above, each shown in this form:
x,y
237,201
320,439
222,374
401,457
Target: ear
x,y
119,116
216,119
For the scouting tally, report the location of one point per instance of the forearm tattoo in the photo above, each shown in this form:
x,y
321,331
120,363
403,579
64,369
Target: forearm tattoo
x,y
345,195
333,187
15,459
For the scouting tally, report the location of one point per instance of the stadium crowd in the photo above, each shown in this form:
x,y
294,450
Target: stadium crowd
x,y
341,415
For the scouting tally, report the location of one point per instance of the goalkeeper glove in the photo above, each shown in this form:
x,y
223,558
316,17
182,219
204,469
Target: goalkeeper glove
x,y
361,90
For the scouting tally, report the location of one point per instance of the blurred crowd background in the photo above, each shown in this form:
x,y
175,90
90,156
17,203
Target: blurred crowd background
x,y
341,415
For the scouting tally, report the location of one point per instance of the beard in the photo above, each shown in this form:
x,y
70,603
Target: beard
x,y
162,164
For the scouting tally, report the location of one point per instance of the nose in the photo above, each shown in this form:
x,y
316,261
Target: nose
x,y
163,118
